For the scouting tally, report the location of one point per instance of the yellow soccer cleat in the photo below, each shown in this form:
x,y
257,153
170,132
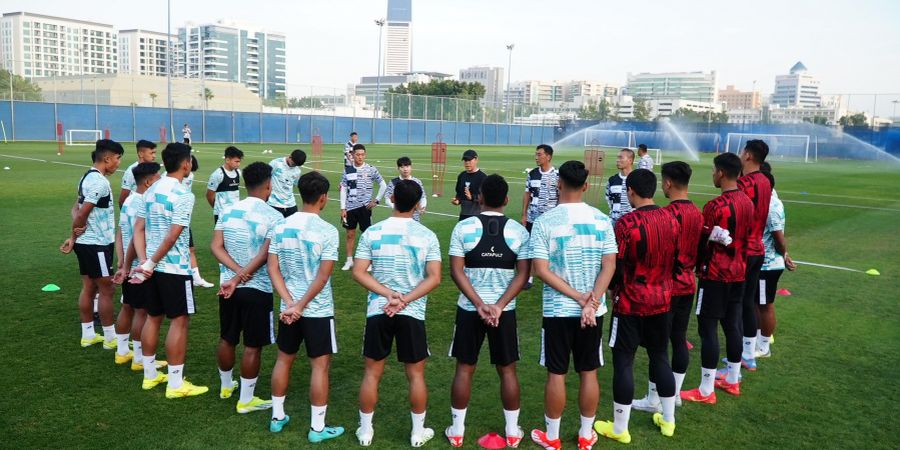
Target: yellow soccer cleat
x,y
139,367
122,359
605,428
255,404
225,392
85,342
150,384
666,428
110,345
187,389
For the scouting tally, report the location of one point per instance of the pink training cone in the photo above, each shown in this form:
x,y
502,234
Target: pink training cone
x,y
783,292
492,440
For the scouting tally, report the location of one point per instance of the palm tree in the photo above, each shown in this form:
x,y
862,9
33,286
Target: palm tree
x,y
153,99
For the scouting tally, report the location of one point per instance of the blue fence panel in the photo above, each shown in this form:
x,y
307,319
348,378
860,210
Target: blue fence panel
x,y
400,133
218,127
342,128
34,121
192,117
383,129
490,134
6,119
303,129
323,126
417,133
432,129
449,132
118,120
246,127
73,117
476,133
274,128
363,127
149,121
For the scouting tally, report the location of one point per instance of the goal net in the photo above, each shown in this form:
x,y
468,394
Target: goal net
x,y
82,137
609,138
782,147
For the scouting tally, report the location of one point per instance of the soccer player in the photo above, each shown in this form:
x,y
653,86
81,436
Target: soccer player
x,y
727,220
468,186
348,148
541,193
223,188
645,161
94,235
166,214
676,176
574,252
757,187
285,174
186,134
146,152
489,263
133,313
245,297
404,166
774,263
188,183
616,195
302,254
642,288
357,201
406,265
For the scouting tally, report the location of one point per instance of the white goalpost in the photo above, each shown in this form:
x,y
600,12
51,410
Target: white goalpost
x,y
782,147
83,137
609,138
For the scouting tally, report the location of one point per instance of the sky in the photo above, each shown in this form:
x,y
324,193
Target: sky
x,y
852,46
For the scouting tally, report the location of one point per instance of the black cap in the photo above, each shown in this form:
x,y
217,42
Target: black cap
x,y
143,143
469,154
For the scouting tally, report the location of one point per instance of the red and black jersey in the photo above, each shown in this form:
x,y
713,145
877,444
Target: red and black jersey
x,y
733,211
690,222
758,188
647,239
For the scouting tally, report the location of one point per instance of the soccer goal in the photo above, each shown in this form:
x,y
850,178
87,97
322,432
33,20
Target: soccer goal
x,y
609,138
82,137
782,147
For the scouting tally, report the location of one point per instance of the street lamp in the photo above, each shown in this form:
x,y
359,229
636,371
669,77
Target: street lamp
x,y
380,24
508,80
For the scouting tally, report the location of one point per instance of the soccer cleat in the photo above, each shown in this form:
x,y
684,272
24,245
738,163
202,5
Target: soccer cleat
x,y
324,435
455,441
772,339
733,389
605,428
540,438
721,373
110,345
347,265
276,425
666,428
225,392
122,359
418,440
85,342
587,444
514,441
758,354
694,395
255,404
365,436
150,384
187,389
749,364
644,404
200,282
139,367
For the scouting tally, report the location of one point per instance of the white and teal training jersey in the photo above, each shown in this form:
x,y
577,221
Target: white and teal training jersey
x,y
127,217
284,178
128,177
772,259
188,181
302,242
168,203
573,237
489,283
399,249
227,190
100,228
245,226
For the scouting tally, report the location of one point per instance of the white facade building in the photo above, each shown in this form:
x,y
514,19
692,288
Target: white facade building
x,y
798,89
664,107
489,77
143,52
398,43
695,86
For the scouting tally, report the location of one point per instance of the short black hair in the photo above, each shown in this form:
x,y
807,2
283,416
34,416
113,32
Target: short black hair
x,y
678,172
766,170
233,152
195,165
629,151
728,163
404,161
758,149
359,147
256,174
494,190
174,154
144,170
298,157
546,148
407,194
642,147
312,185
642,182
573,174
353,133
104,146
143,143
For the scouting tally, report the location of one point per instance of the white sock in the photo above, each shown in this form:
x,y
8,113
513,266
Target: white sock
x,y
758,334
138,356
679,380
365,420
97,303
707,380
277,407
87,330
226,380
149,367
530,279
668,407
621,414
763,344
459,421
109,333
195,273
317,417
248,386
512,422
176,376
734,372
552,428
418,423
122,344
587,424
652,395
749,348
350,260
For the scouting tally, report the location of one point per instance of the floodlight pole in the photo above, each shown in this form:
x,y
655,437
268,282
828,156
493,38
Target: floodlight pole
x,y
508,80
380,24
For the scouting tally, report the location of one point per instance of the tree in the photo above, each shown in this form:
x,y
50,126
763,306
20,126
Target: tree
x,y
641,110
207,95
854,120
818,120
22,89
685,115
596,111
441,99
153,99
